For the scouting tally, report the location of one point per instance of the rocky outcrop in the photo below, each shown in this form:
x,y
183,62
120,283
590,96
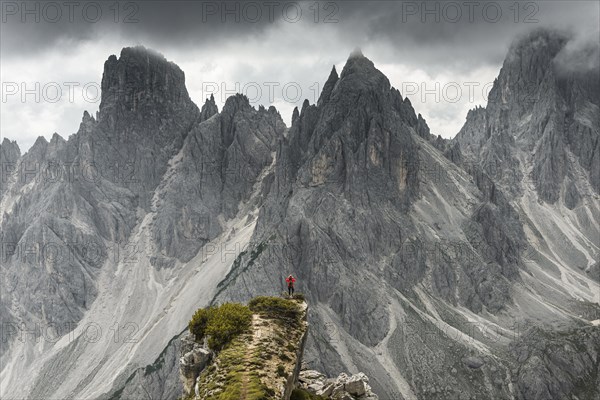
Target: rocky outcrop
x,y
265,365
355,387
194,358
266,360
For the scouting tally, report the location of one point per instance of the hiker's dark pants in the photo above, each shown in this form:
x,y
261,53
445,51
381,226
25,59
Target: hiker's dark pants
x,y
290,290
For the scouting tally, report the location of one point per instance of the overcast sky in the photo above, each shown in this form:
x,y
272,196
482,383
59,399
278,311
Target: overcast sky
x,y
436,53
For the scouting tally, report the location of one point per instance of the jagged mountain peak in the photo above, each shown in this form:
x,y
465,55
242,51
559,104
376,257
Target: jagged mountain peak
x,y
328,87
530,56
209,108
237,102
333,76
9,151
9,143
56,138
477,110
358,63
359,75
295,114
559,51
141,80
536,108
40,141
38,149
87,118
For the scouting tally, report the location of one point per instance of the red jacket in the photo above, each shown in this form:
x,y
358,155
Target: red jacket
x,y
290,281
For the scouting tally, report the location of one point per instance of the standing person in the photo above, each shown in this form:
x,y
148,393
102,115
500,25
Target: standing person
x,y
290,282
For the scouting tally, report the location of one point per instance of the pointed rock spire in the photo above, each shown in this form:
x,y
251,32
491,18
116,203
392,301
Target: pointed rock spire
x,y
9,151
359,75
209,108
328,87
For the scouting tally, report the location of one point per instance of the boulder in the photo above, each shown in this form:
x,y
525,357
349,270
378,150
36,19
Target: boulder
x,y
343,387
356,386
473,362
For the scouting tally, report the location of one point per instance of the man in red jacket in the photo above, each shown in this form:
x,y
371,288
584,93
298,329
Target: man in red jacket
x,y
290,282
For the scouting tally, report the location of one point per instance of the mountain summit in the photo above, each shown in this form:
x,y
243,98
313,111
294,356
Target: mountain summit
x,y
141,79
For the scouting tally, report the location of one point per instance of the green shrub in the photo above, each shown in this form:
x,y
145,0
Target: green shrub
x,y
280,370
226,322
221,324
199,321
274,307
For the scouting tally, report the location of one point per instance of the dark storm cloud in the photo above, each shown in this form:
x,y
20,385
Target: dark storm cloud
x,y
464,34
37,26
460,33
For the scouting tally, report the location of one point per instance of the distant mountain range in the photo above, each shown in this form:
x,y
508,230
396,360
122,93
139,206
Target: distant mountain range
x,y
443,269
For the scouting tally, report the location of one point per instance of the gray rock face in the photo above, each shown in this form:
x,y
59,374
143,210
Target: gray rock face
x,y
217,169
552,366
